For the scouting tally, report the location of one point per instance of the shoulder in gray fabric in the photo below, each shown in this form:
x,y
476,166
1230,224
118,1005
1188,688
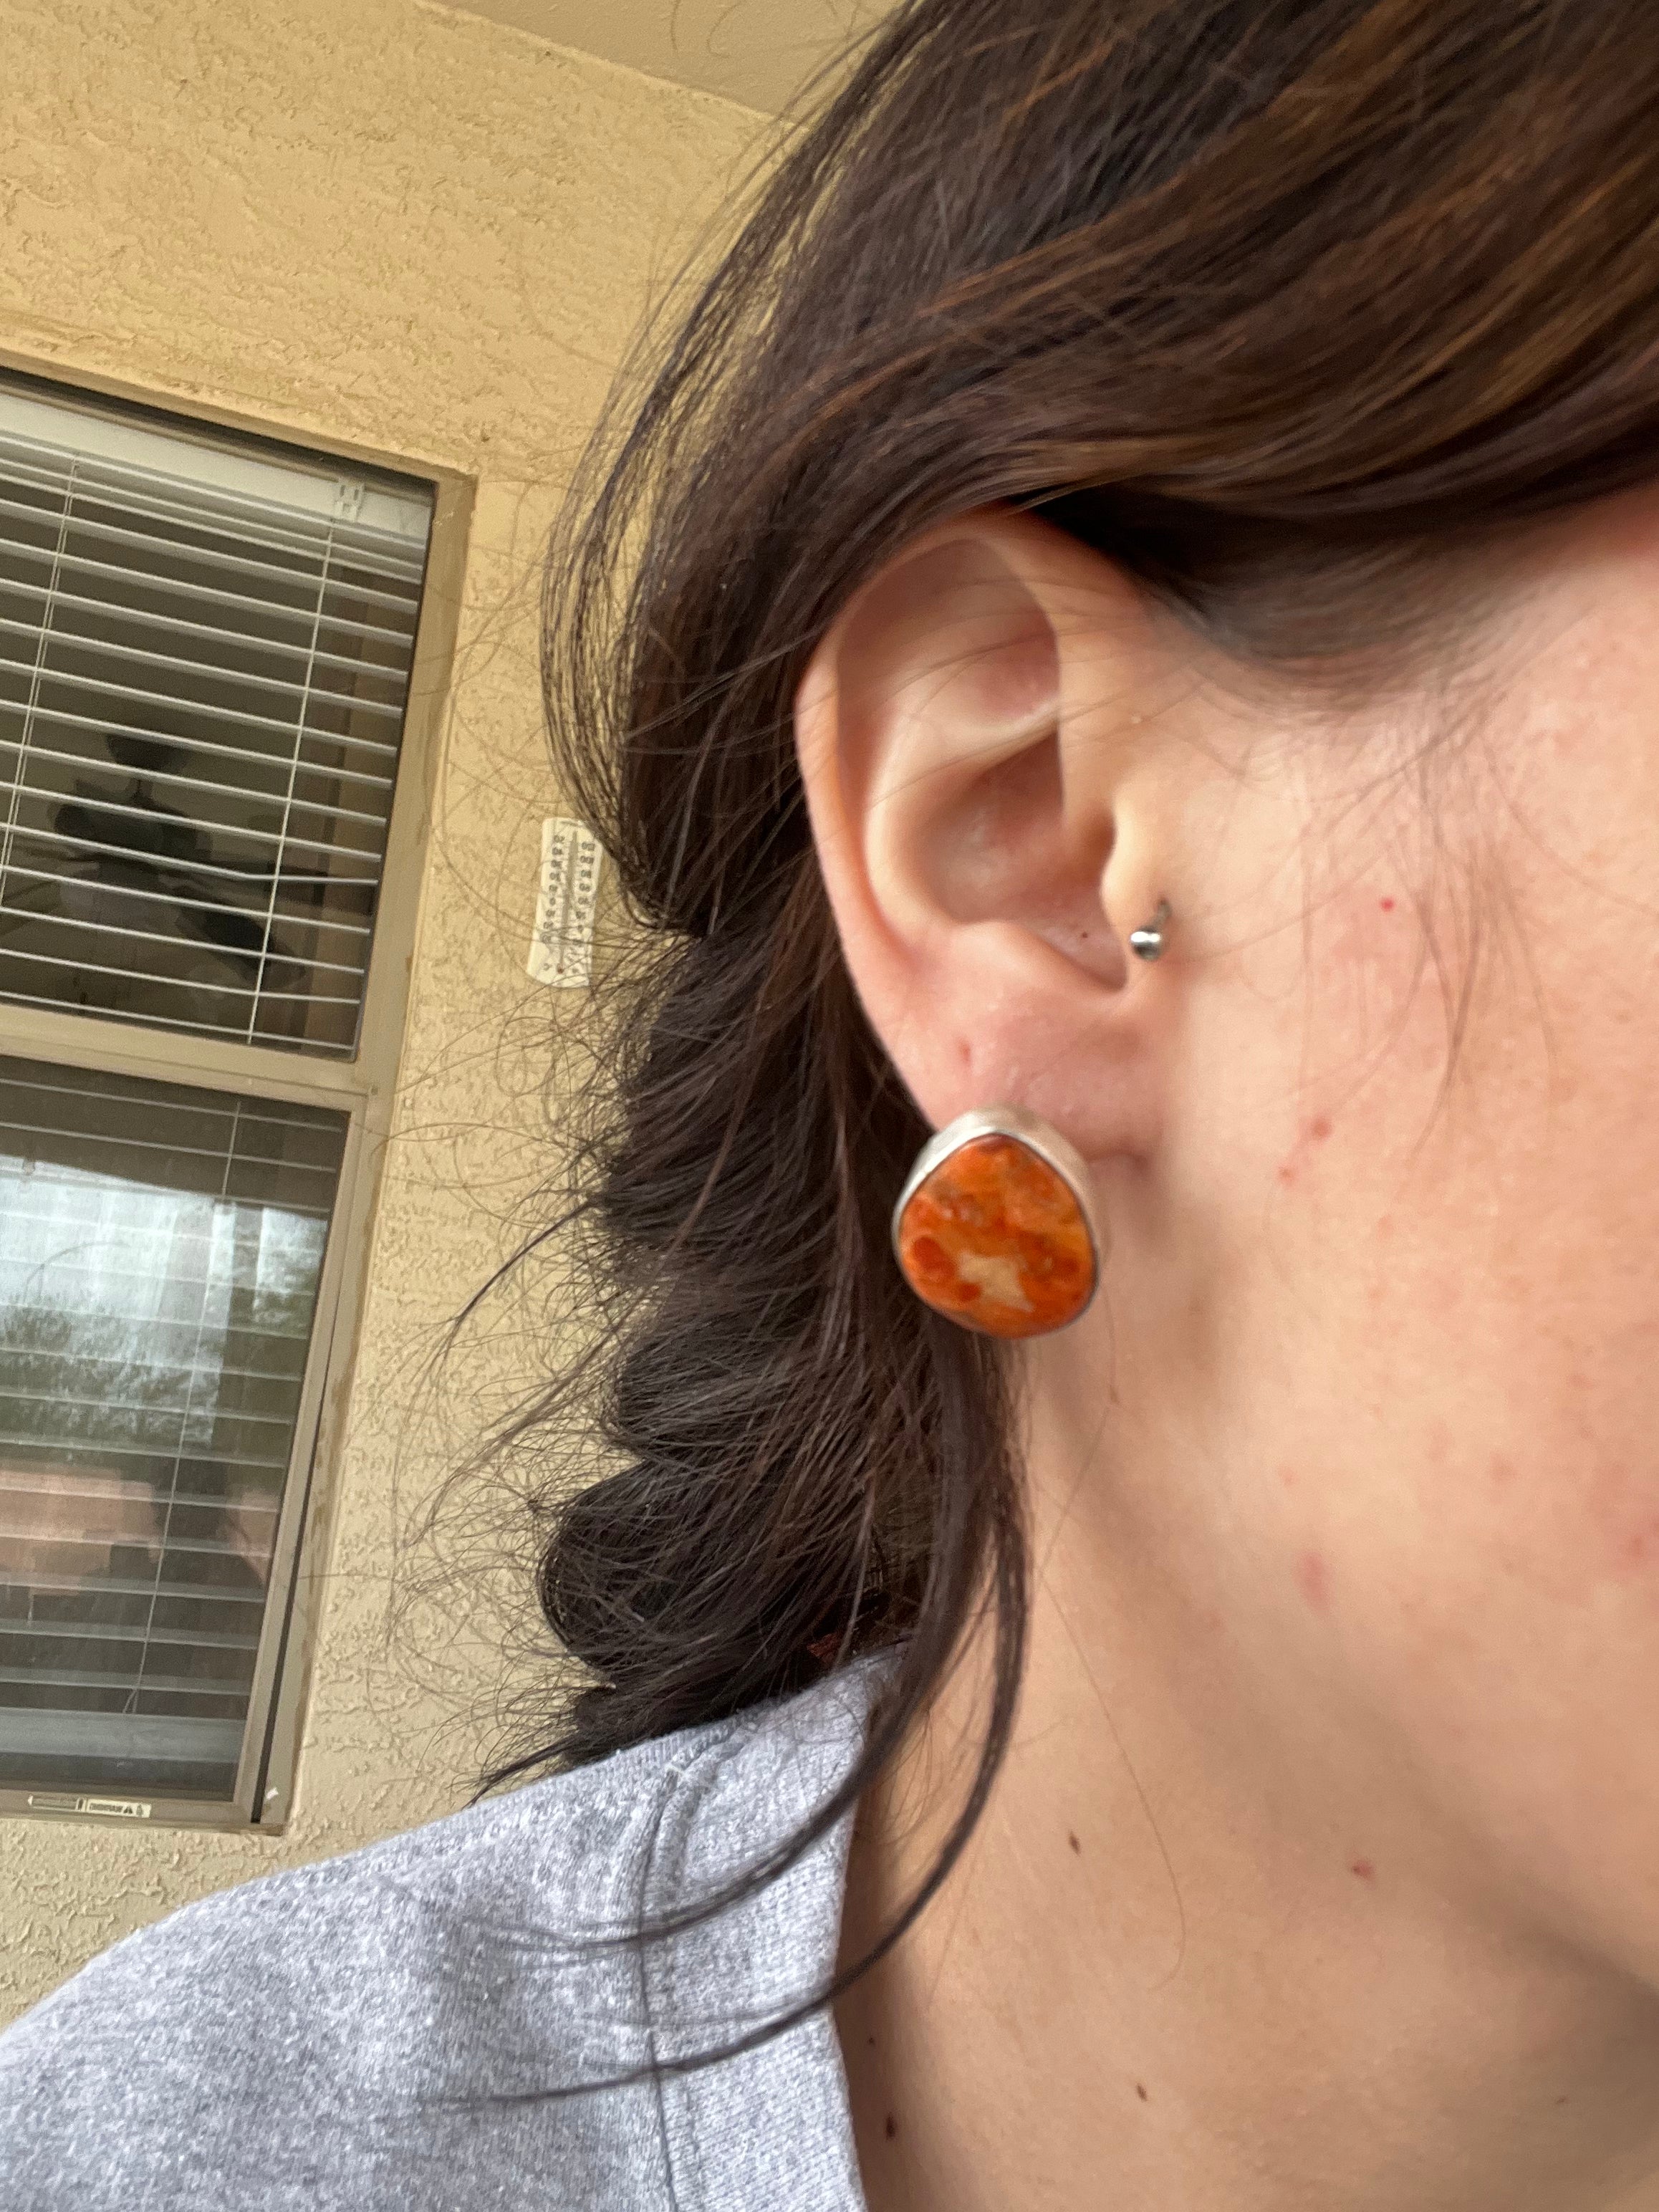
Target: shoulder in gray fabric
x,y
370,2034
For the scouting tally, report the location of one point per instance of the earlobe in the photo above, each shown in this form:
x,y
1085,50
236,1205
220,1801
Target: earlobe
x,y
969,754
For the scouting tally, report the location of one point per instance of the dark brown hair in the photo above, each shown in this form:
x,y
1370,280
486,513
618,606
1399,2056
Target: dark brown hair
x,y
1279,303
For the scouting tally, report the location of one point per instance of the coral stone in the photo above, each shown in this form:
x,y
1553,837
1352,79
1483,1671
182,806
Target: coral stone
x,y
995,1239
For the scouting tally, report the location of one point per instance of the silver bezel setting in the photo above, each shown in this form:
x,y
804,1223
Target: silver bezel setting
x,y
1037,1136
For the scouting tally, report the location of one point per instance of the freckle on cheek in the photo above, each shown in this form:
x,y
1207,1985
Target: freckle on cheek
x,y
1320,1129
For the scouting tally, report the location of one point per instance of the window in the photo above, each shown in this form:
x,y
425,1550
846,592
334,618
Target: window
x,y
207,646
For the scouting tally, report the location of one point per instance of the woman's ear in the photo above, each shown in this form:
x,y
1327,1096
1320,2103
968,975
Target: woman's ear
x,y
972,738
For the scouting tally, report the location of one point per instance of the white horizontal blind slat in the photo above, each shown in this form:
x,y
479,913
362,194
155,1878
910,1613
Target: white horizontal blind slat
x,y
69,1452
40,1677
189,592
177,625
335,926
204,659
234,473
157,500
136,937
73,683
254,763
43,1582
45,1633
160,1248
23,1482
140,656
118,809
178,1026
170,1747
136,971
235,875
214,559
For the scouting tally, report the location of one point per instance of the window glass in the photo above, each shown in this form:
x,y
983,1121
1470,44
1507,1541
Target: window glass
x,y
160,1252
204,659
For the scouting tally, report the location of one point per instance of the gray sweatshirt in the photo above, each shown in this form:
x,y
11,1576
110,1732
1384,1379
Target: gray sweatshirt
x,y
369,2034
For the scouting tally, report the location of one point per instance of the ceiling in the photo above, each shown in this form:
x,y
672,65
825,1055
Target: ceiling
x,y
755,51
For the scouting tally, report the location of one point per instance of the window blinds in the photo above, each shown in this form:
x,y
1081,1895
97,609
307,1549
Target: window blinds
x,y
204,659
160,1250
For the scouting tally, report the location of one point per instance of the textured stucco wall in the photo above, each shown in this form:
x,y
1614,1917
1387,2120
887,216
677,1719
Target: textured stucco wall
x,y
382,222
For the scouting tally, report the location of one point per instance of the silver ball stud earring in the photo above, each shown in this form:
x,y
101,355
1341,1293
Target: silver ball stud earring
x,y
1148,944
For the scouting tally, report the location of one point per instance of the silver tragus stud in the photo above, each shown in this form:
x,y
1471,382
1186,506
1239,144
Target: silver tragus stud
x,y
1148,944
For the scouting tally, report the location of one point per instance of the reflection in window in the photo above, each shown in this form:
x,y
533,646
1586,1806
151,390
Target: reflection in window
x,y
161,1250
204,664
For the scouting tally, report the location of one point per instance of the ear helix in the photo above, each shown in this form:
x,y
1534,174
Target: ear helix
x,y
995,1226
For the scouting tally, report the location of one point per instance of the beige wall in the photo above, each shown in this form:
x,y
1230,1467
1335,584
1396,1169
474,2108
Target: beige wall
x,y
758,52
426,235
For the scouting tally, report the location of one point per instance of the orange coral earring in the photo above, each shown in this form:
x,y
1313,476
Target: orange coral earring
x,y
995,1227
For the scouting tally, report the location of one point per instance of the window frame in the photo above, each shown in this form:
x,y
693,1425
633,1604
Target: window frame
x,y
362,1086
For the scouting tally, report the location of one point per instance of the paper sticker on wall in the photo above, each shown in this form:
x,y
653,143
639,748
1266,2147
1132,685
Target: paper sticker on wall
x,y
561,951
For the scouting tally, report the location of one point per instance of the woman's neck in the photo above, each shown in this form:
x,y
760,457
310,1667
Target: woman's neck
x,y
1208,1952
